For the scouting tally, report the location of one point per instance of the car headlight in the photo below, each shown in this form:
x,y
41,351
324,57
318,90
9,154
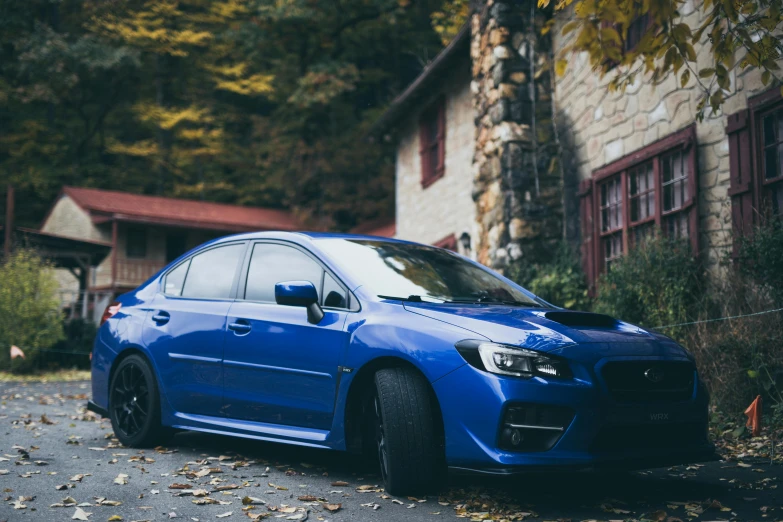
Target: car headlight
x,y
510,360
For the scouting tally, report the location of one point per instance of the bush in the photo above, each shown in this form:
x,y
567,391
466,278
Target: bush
x,y
658,283
29,309
73,351
560,282
739,358
761,259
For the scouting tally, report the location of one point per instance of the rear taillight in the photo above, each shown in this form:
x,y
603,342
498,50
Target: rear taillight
x,y
110,311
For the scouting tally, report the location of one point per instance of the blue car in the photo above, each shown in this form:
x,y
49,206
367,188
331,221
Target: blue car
x,y
412,354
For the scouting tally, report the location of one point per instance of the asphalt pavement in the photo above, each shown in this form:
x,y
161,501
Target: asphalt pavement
x,y
59,462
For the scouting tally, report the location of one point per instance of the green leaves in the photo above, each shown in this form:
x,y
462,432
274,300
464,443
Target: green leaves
x,y
748,29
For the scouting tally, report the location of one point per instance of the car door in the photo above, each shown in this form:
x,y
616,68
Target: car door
x,y
278,368
186,327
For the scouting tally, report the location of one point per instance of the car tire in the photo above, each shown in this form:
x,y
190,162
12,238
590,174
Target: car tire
x,y
405,434
134,405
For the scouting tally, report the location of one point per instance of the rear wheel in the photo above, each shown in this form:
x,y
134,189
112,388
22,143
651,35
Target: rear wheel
x,y
405,434
134,404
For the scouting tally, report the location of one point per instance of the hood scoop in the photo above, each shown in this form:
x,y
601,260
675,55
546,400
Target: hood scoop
x,y
582,319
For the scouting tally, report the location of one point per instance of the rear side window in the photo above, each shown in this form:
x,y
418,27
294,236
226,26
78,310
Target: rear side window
x,y
176,279
211,273
271,263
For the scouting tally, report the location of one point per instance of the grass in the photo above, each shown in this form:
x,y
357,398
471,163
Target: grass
x,y
53,376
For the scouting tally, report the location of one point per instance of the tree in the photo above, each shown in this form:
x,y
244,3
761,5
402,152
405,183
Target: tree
x,y
252,102
740,36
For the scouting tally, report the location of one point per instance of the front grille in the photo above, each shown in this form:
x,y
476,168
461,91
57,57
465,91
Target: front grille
x,y
649,436
649,381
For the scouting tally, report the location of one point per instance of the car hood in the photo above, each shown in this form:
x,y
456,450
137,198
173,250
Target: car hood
x,y
544,329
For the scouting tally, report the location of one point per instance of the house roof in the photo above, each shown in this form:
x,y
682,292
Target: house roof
x,y
457,49
383,227
125,206
64,252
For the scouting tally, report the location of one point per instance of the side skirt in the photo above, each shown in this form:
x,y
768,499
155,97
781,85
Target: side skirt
x,y
253,430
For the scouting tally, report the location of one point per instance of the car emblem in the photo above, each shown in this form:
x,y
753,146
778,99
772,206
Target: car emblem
x,y
654,374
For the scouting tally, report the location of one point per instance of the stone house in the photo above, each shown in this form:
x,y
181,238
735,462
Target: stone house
x,y
144,233
625,163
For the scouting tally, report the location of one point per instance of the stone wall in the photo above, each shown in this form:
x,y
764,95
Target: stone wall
x,y
517,195
599,127
430,214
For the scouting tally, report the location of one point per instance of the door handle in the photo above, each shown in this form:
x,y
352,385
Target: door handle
x,y
161,317
240,326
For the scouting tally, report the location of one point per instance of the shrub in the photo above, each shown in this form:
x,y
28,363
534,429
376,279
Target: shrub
x,y
658,283
560,282
739,358
29,309
761,259
73,351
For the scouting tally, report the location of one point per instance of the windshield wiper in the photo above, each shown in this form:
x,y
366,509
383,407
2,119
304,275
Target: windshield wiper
x,y
490,300
414,298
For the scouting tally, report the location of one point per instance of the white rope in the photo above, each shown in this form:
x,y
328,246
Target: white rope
x,y
718,319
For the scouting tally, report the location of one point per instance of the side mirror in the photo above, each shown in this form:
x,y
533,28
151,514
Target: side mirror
x,y
300,293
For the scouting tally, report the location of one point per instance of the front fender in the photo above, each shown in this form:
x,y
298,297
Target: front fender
x,y
389,330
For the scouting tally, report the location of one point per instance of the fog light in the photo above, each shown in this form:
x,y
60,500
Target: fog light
x,y
516,437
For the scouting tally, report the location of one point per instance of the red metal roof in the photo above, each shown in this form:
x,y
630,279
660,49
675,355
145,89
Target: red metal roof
x,y
377,227
180,212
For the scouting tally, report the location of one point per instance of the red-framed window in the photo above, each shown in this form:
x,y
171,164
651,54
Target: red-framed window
x,y
626,201
756,162
432,142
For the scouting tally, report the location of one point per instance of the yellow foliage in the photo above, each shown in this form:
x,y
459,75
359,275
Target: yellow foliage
x,y
255,84
141,149
168,118
450,18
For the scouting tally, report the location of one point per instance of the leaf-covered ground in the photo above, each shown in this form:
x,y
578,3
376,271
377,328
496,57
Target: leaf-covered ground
x,y
58,462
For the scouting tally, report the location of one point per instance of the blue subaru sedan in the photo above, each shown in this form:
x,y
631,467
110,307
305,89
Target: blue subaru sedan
x,y
413,355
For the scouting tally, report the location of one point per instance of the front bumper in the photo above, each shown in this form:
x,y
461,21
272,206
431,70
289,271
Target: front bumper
x,y
474,403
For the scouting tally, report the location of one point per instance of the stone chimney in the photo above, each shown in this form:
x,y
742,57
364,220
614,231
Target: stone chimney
x,y
517,193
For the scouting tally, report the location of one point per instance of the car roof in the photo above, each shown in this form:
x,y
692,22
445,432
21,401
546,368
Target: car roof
x,y
307,235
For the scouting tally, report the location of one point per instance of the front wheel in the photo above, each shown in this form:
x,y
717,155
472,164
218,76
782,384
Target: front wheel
x,y
134,405
405,434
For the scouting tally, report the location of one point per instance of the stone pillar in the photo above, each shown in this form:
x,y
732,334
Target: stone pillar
x,y
517,193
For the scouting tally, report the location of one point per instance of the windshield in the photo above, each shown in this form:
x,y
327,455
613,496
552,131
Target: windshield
x,y
414,272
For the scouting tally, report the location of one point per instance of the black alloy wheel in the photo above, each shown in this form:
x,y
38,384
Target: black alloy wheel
x,y
380,439
134,404
130,400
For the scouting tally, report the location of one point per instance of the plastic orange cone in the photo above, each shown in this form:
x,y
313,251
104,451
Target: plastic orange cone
x,y
16,352
754,416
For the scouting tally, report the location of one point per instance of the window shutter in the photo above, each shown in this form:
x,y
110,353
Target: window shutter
x,y
426,167
588,232
441,135
741,175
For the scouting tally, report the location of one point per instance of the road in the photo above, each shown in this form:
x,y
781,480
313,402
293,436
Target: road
x,y
51,449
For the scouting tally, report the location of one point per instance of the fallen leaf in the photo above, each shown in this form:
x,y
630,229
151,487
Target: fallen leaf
x,y
339,484
80,514
333,507
121,479
224,515
115,518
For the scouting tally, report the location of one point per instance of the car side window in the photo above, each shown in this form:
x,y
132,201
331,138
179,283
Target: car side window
x,y
176,279
211,273
334,295
272,263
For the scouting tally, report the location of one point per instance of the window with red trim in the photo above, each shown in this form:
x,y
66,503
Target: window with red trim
x,y
651,189
771,143
432,142
756,163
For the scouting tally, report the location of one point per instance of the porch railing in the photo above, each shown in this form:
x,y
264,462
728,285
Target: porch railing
x,y
133,272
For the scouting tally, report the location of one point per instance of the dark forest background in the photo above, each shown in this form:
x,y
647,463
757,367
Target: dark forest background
x,y
252,102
